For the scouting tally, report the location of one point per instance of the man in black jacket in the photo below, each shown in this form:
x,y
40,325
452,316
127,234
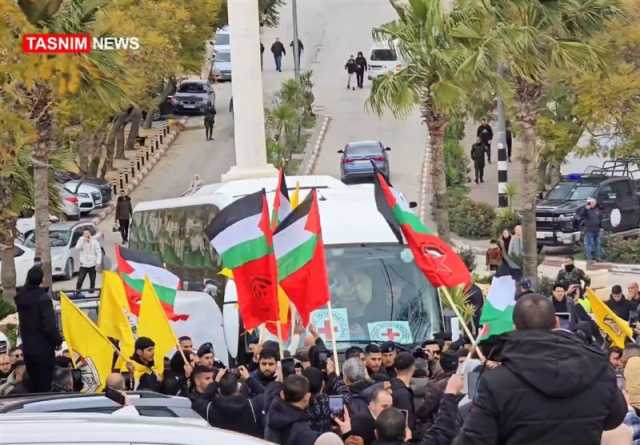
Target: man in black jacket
x,y
204,388
477,156
485,134
590,215
551,388
287,419
364,424
277,49
231,408
618,303
401,387
389,354
124,210
38,330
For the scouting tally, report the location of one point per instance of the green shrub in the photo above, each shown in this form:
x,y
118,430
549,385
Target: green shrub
x,y
620,250
456,164
505,219
468,258
482,279
545,285
471,219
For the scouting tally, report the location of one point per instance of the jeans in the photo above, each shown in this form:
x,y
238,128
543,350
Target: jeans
x,y
278,60
83,273
360,78
592,245
349,79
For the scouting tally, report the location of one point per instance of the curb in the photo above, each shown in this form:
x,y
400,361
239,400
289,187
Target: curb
x,y
313,157
135,182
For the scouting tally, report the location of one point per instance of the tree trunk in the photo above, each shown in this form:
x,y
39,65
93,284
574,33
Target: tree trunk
x,y
7,236
528,96
116,126
135,118
119,149
168,88
43,147
437,125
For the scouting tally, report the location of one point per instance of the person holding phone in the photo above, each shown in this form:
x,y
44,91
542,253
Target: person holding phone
x,y
364,424
401,386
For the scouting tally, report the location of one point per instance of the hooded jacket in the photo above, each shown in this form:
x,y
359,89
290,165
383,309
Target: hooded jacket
x,y
38,327
621,308
235,413
551,389
289,425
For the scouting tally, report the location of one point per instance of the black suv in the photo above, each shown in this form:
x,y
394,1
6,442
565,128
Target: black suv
x,y
614,186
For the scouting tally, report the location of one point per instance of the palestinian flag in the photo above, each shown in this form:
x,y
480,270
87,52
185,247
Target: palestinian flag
x,y
241,236
299,250
133,266
281,201
435,258
497,311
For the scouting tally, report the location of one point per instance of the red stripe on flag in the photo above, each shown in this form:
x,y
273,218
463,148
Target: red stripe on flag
x,y
123,265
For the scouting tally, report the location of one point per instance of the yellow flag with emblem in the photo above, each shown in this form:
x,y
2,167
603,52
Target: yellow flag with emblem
x,y
84,338
295,197
615,327
153,323
113,310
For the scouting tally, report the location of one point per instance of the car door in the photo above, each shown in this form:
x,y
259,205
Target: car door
x,y
607,201
627,203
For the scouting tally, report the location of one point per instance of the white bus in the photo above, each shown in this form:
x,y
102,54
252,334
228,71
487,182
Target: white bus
x,y
377,291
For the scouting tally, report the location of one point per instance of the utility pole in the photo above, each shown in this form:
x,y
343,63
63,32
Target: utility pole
x,y
503,199
296,46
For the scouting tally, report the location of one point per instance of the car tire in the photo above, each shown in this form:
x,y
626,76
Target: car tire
x,y
68,269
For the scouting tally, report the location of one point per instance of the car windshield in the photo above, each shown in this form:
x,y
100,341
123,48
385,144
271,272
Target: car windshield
x,y
378,293
57,238
222,39
223,57
191,88
571,191
363,150
383,55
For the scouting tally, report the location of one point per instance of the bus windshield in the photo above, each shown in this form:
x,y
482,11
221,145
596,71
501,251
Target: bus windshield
x,y
379,293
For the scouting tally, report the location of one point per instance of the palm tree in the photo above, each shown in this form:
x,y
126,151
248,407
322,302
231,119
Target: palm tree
x,y
531,38
71,73
429,80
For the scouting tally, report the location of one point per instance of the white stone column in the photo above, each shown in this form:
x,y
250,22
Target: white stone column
x,y
246,88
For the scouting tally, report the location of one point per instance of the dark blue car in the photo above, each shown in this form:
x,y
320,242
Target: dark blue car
x,y
357,158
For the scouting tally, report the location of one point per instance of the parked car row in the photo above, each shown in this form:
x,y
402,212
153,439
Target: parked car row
x,y
63,238
81,195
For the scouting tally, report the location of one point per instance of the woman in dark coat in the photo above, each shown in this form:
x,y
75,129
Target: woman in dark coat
x,y
38,331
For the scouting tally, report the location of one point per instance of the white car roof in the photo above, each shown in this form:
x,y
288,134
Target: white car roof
x,y
244,187
86,428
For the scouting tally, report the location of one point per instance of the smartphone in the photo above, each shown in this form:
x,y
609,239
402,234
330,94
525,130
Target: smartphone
x,y
405,413
336,406
565,319
115,395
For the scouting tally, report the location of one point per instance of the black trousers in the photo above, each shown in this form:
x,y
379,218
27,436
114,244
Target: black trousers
x,y
40,373
360,78
208,128
124,229
479,170
83,273
487,150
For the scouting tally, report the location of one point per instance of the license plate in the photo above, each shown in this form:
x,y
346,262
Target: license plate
x,y
188,106
544,218
542,235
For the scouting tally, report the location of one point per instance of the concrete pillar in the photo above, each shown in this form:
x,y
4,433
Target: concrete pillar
x,y
246,88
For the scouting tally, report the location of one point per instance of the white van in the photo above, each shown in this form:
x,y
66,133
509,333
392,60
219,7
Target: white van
x,y
377,291
383,58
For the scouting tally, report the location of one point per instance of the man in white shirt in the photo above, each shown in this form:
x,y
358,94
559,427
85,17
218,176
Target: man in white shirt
x,y
90,256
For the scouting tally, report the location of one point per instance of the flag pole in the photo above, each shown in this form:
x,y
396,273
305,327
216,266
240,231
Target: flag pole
x,y
473,340
280,342
333,339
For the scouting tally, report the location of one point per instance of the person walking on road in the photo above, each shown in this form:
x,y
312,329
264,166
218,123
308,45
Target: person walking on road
x,y
485,133
277,49
361,62
38,331
351,68
509,138
477,155
90,256
209,122
261,56
300,49
592,218
550,388
124,210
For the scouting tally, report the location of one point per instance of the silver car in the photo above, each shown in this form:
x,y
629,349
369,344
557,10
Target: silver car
x,y
222,65
194,96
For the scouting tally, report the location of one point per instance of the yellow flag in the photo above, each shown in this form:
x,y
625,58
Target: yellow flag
x,y
153,323
615,327
84,338
112,315
295,197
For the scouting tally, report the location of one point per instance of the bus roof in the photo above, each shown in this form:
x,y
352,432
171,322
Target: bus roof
x,y
243,187
348,213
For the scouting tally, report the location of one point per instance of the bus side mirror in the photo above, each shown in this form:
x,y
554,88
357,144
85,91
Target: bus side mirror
x,y
413,204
